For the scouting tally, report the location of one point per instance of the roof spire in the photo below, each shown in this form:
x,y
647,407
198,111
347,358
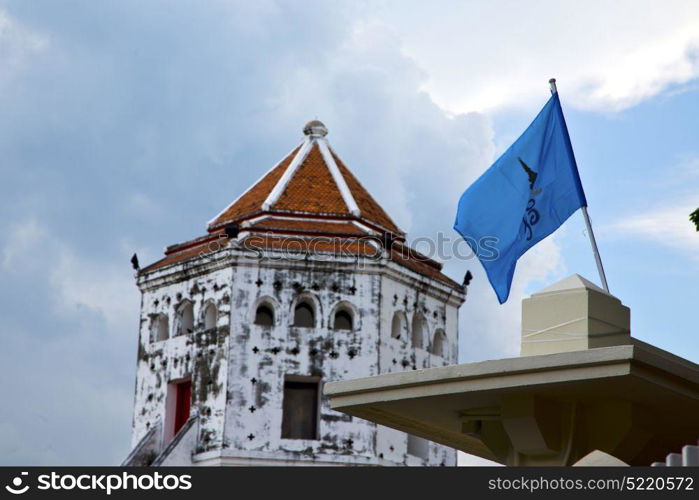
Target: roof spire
x,y
315,129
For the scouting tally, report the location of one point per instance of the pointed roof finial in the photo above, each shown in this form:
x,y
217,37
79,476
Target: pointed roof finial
x,y
315,129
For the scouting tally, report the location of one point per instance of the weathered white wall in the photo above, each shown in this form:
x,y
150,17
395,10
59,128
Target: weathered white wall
x,y
201,355
287,350
238,368
411,296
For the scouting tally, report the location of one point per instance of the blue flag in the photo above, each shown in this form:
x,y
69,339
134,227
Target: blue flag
x,y
522,198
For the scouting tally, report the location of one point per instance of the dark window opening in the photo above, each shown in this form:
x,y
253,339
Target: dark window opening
x,y
183,403
161,327
300,410
418,330
439,343
186,313
397,325
343,321
264,316
210,316
303,315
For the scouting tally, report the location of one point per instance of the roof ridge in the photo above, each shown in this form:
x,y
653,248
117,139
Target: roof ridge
x,y
337,176
288,174
311,179
311,186
252,186
375,205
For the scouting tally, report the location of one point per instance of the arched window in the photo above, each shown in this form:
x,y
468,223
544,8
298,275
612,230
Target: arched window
x,y
343,320
160,328
418,447
398,325
185,315
419,328
439,343
210,314
304,315
264,315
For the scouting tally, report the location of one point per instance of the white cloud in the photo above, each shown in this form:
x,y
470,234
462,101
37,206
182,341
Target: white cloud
x,y
22,240
667,225
70,353
413,157
17,44
490,330
78,283
66,407
103,288
606,55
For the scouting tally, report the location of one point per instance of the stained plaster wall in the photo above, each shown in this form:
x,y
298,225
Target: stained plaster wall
x,y
201,355
263,356
408,296
238,368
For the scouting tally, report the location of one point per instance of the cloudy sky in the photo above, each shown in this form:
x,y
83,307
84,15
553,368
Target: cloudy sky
x,y
126,125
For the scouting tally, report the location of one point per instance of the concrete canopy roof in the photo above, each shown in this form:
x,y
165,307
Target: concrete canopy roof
x,y
656,392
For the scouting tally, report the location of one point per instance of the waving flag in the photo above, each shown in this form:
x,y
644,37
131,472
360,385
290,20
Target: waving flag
x,y
522,198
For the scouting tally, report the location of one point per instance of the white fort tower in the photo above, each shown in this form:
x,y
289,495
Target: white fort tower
x,y
303,279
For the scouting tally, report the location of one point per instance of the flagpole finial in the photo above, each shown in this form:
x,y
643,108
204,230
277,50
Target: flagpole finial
x,y
552,83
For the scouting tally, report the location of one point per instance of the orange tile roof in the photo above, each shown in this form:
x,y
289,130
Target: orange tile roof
x,y
252,199
309,215
312,189
189,252
368,207
347,245
420,264
290,226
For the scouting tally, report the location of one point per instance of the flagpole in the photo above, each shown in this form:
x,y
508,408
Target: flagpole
x,y
590,233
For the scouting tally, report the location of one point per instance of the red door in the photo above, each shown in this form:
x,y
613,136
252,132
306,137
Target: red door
x,y
183,403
